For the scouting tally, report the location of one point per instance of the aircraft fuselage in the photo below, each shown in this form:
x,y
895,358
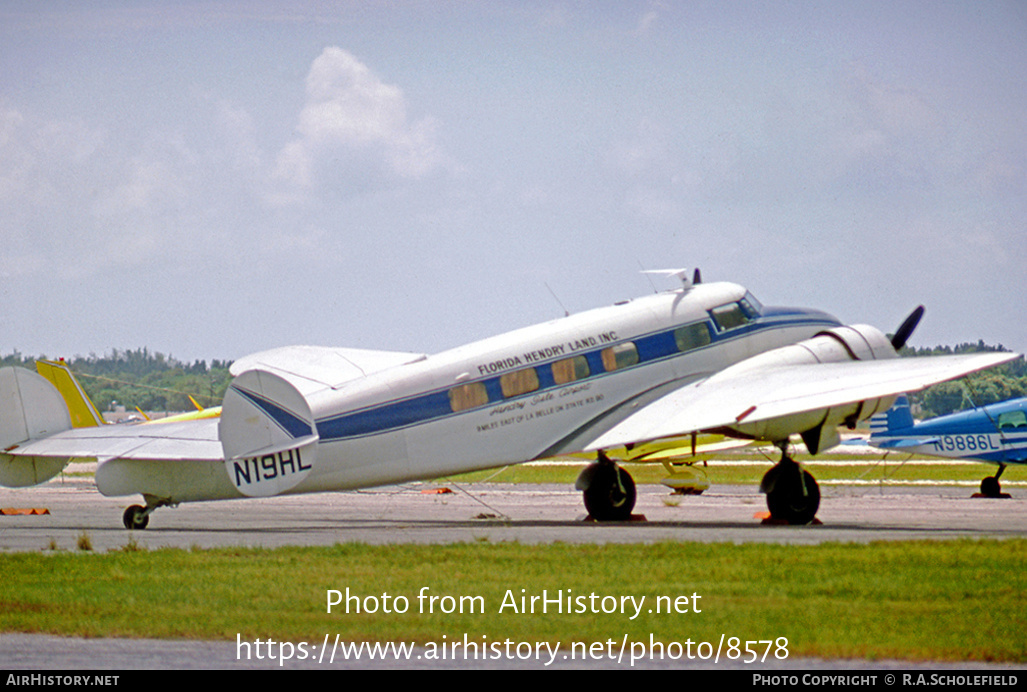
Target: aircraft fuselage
x,y
538,391
996,433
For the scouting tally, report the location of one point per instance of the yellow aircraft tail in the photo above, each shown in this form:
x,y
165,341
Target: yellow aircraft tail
x,y
83,413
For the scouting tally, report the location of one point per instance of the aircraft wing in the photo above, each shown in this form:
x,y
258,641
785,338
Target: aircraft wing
x,y
313,368
758,402
189,440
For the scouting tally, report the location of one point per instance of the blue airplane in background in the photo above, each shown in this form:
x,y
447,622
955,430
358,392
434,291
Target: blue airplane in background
x,y
994,434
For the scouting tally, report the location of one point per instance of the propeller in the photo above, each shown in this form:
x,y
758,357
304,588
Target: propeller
x,y
905,329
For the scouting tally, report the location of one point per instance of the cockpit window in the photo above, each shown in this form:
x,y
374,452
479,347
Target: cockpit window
x,y
737,314
1012,419
750,306
729,316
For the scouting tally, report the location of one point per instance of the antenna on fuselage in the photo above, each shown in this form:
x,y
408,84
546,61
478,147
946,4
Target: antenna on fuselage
x,y
641,268
566,312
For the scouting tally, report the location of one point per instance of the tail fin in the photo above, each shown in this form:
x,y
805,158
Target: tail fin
x,y
268,434
83,413
30,409
898,417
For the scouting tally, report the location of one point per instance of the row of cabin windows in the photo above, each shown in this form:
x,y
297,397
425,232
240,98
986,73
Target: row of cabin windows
x,y
526,380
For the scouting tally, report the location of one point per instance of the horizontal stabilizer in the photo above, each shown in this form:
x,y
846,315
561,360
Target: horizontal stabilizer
x,y
313,368
905,442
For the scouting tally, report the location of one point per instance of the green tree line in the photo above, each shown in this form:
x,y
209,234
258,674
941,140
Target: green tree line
x,y
144,379
1007,381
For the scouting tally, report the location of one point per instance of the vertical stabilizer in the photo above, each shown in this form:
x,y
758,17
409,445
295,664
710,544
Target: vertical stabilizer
x,y
898,417
83,412
268,434
30,409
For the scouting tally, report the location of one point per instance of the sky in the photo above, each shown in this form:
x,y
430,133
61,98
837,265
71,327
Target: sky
x,y
211,179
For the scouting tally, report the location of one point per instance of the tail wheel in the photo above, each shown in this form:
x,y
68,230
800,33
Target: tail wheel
x,y
990,487
135,518
610,495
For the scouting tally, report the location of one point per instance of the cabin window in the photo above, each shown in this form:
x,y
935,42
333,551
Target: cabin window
x,y
692,336
519,382
729,316
1012,419
570,369
619,356
467,396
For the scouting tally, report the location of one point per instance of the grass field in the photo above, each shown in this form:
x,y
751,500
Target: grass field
x,y
950,600
940,600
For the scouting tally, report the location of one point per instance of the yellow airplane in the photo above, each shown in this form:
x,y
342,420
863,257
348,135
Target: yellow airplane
x,y
84,413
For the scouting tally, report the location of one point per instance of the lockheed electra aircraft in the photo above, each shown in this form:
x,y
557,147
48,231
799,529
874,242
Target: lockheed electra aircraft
x,y
994,434
705,358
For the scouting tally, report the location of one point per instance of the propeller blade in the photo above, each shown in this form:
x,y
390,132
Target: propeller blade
x,y
906,328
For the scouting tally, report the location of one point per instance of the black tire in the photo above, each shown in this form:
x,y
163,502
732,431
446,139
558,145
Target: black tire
x,y
790,499
135,519
990,487
610,495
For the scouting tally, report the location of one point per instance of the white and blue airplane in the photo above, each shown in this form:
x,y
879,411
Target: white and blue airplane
x,y
994,434
705,358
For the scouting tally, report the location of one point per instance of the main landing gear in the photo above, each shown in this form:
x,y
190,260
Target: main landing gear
x,y
609,490
793,495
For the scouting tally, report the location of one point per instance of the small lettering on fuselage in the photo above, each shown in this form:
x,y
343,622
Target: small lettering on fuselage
x,y
268,467
546,353
497,365
966,443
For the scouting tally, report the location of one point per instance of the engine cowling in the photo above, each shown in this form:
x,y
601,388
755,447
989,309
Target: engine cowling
x,y
819,428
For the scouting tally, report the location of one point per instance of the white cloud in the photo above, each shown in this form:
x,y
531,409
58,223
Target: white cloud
x,y
353,123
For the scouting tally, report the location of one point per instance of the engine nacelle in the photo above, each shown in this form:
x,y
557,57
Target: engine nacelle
x,y
855,342
819,427
859,341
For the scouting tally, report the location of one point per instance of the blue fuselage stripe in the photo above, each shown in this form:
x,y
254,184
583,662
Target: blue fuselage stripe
x,y
652,348
289,422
